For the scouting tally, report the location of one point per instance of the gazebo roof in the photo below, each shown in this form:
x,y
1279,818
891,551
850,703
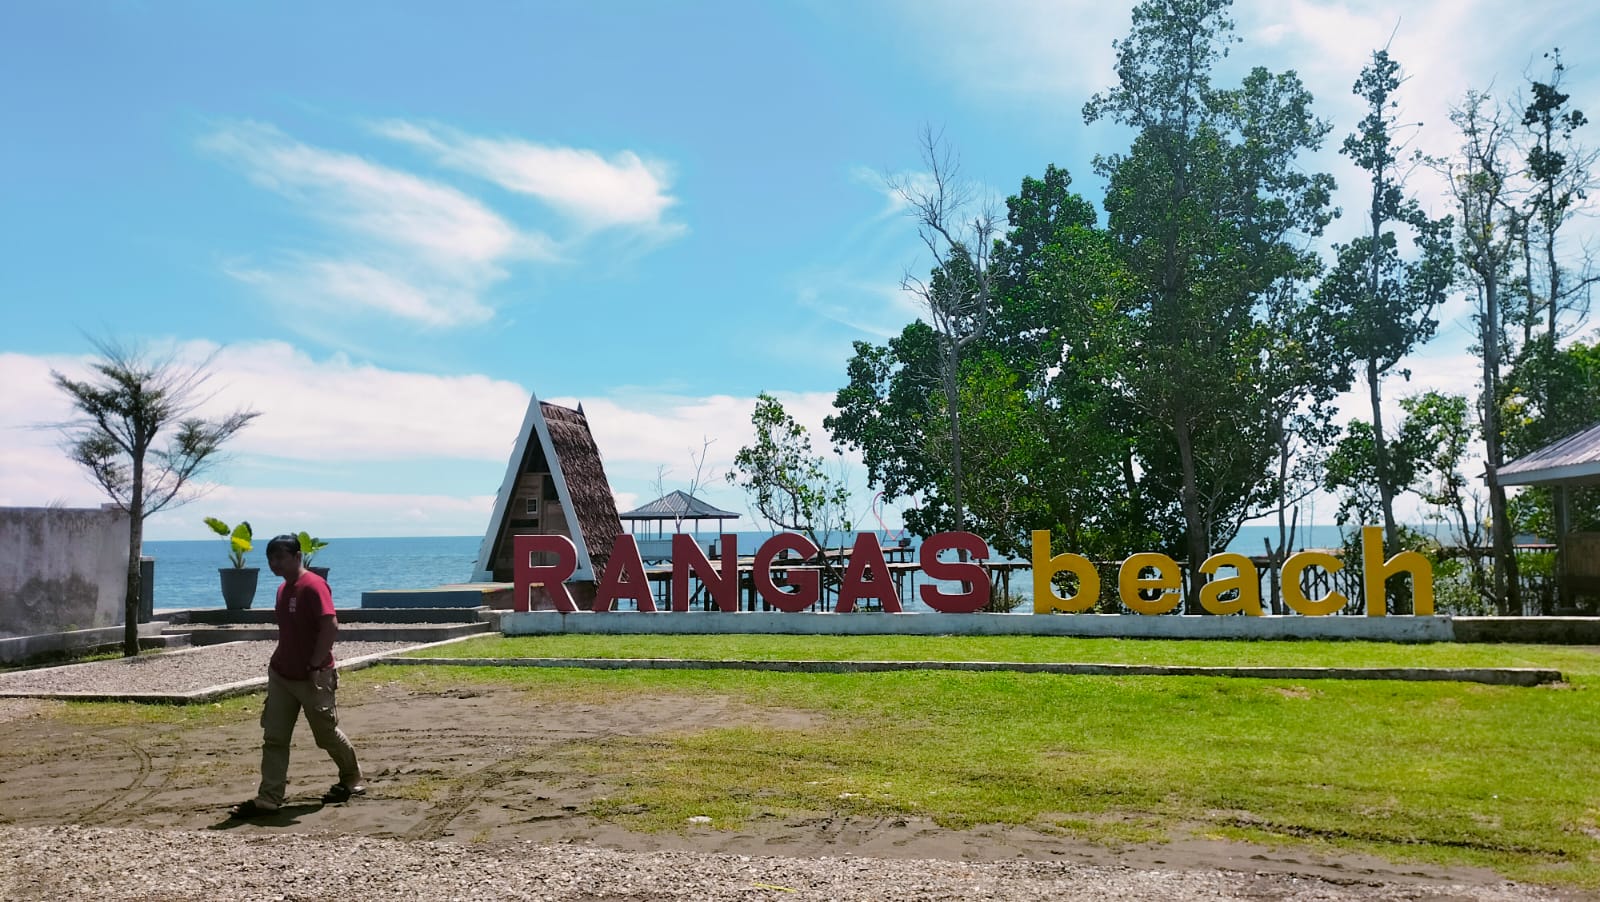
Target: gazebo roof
x,y
1572,460
678,506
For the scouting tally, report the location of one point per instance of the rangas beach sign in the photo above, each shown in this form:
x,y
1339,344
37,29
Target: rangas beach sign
x,y
866,576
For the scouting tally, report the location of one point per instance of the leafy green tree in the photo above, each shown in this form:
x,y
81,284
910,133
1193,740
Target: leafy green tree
x,y
1426,455
1435,434
132,402
1301,384
1008,490
888,411
1209,210
1549,396
791,484
1379,301
1040,389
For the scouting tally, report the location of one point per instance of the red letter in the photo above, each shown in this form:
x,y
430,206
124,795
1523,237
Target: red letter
x,y
625,561
687,557
554,578
807,585
867,553
975,576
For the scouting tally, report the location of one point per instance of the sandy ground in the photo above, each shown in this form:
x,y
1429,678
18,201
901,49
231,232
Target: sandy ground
x,y
473,767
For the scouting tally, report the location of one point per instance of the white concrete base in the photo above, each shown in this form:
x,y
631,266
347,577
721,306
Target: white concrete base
x,y
1127,626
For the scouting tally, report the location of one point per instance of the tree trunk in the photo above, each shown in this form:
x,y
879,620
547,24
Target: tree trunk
x,y
1193,522
1380,453
1555,286
952,395
1285,529
130,603
1508,596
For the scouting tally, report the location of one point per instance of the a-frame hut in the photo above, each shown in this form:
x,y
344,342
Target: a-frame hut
x,y
555,484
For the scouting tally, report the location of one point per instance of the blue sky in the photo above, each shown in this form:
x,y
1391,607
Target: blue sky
x,y
391,221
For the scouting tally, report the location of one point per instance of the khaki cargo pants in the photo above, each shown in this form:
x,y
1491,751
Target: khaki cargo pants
x,y
285,700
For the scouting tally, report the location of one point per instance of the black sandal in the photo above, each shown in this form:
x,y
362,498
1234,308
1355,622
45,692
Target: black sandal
x,y
246,810
339,792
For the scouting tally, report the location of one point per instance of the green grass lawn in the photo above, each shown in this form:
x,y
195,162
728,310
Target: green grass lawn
x,y
1442,772
1216,653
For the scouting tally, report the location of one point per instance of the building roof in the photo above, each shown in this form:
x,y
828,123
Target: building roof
x,y
562,436
587,487
1572,460
678,505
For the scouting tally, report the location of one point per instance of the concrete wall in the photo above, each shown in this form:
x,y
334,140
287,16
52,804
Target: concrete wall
x,y
1128,626
61,569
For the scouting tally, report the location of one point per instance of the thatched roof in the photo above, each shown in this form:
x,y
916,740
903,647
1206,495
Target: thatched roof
x,y
590,492
554,440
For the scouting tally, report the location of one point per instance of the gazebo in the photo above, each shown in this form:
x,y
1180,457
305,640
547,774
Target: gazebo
x,y
1571,462
674,507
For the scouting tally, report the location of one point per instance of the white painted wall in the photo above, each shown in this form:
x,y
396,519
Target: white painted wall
x,y
61,569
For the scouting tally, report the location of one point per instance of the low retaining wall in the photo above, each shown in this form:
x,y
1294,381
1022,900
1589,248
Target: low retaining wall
x,y
1207,626
22,650
1531,630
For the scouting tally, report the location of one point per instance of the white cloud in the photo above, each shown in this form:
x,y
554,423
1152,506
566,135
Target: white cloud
x,y
397,209
332,409
312,412
879,309
625,190
317,411
408,248
1022,50
638,432
340,288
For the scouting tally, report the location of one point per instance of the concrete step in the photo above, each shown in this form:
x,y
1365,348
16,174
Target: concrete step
x,y
214,634
165,641
457,595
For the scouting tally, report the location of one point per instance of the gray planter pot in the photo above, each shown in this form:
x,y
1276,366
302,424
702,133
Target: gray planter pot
x,y
320,571
239,586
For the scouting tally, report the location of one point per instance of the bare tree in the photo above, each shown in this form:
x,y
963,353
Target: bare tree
x,y
958,294
700,480
125,409
1560,172
1480,185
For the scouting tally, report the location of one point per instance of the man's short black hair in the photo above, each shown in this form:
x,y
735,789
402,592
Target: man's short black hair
x,y
283,543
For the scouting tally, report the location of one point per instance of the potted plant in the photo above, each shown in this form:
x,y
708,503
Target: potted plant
x,y
309,546
238,581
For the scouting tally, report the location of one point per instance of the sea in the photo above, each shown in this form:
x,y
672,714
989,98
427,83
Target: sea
x,y
186,572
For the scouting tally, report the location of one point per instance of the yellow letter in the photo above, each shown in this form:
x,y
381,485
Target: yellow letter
x,y
1296,597
1045,598
1376,576
1246,580
1129,582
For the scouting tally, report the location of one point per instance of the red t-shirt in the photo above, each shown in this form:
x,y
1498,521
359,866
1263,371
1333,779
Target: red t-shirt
x,y
301,607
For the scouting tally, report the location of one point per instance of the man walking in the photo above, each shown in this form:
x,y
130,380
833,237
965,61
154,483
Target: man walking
x,y
300,677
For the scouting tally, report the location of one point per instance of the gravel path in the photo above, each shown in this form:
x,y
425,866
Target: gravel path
x,y
184,671
110,864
